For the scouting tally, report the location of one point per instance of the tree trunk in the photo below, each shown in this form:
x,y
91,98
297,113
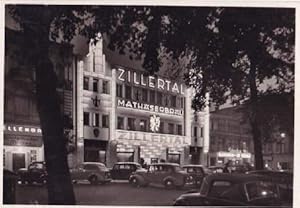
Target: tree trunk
x,y
258,156
60,188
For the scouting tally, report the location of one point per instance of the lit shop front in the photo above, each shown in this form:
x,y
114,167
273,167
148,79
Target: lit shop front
x,y
222,157
151,119
22,145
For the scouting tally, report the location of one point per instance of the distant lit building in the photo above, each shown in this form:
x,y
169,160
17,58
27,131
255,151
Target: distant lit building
x,y
230,137
125,114
23,141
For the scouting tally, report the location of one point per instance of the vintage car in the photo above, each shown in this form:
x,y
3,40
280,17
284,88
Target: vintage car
x,y
215,169
35,173
93,172
198,172
170,175
123,170
224,189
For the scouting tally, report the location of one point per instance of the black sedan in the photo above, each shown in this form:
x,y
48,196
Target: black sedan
x,y
225,189
35,173
123,170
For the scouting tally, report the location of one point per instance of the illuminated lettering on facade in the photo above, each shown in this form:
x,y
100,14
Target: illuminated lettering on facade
x,y
165,139
23,129
149,107
150,81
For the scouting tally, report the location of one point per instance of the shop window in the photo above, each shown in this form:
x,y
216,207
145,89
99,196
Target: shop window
x,y
86,118
167,100
95,85
173,101
171,128
173,158
128,92
143,125
179,129
152,96
120,124
105,87
159,98
85,83
33,155
119,90
144,95
96,119
125,157
131,124
105,121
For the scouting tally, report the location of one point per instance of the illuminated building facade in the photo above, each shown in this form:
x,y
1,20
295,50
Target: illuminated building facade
x,y
125,114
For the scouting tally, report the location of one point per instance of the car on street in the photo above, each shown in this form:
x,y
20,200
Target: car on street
x,y
224,189
123,170
171,175
94,172
216,169
198,172
34,173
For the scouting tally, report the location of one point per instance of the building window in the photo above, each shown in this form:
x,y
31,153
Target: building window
x,y
161,128
201,132
136,94
95,85
171,128
179,129
105,87
173,101
120,124
119,90
105,121
85,83
131,124
96,119
86,118
152,96
182,102
167,101
144,95
195,131
143,125
159,98
128,92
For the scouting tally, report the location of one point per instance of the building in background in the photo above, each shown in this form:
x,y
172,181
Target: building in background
x,y
23,141
125,114
230,137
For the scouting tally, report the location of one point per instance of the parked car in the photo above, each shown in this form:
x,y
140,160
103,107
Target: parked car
x,y
170,175
35,173
93,172
198,172
225,189
216,169
123,170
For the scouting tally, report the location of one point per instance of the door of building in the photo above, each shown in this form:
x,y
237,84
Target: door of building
x,y
18,160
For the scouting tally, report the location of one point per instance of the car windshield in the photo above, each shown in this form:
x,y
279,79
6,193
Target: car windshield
x,y
261,189
36,166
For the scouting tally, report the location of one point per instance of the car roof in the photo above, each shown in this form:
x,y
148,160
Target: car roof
x,y
191,165
169,164
93,163
128,163
235,177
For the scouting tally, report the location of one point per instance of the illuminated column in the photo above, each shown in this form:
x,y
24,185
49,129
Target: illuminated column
x,y
80,139
188,110
206,128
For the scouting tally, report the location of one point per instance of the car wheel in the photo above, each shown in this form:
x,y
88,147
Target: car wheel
x,y
93,180
169,184
134,182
